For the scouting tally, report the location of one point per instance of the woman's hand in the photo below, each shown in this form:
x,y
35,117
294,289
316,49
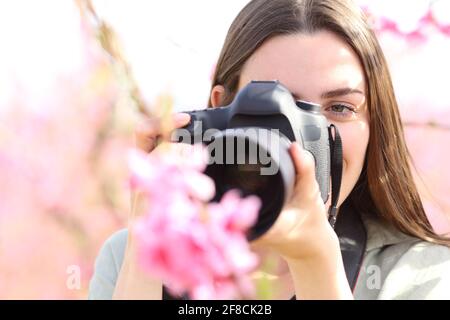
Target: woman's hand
x,y
303,236
148,131
302,230
132,282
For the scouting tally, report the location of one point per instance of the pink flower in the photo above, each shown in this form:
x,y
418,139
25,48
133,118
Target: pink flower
x,y
195,248
439,11
234,213
177,169
396,17
192,256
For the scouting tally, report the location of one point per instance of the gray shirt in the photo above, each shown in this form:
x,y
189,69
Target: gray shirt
x,y
395,266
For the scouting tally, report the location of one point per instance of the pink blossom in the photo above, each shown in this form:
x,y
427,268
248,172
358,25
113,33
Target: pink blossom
x,y
60,188
439,11
240,215
194,256
177,170
193,247
395,16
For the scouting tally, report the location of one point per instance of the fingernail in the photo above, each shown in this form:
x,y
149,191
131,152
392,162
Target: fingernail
x,y
181,118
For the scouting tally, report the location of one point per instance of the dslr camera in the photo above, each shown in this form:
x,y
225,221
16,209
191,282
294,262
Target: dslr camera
x,y
248,142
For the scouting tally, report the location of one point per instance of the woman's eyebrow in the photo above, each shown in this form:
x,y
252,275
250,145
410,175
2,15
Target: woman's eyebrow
x,y
341,92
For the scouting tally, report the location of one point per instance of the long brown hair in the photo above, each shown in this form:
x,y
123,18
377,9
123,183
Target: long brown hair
x,y
386,186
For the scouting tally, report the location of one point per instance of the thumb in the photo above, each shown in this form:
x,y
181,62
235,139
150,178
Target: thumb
x,y
304,164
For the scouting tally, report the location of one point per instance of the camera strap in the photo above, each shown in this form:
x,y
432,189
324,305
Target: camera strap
x,y
349,227
336,171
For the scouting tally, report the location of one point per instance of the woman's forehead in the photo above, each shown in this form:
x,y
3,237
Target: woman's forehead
x,y
308,63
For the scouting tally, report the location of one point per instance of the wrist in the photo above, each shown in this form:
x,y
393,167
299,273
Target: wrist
x,y
320,277
132,281
318,243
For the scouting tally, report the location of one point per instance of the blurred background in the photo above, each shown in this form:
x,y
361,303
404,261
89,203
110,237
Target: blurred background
x,y
69,102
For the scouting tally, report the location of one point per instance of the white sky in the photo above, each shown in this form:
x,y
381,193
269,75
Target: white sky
x,y
172,44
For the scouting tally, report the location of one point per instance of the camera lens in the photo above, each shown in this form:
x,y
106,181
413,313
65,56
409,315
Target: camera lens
x,y
247,176
250,163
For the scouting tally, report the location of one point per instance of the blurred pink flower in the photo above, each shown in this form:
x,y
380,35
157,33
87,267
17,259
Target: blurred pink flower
x,y
177,169
398,16
193,247
229,211
62,159
439,12
419,72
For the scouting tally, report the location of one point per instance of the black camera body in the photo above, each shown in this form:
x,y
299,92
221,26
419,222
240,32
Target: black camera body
x,y
269,109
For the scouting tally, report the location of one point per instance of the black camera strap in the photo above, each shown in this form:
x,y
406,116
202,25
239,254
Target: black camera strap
x,y
336,171
349,227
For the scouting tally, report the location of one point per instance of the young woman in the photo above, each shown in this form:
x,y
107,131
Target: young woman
x,y
323,51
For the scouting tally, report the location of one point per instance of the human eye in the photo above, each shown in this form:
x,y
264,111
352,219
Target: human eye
x,y
340,111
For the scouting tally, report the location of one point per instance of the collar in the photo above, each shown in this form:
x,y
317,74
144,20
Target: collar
x,y
381,233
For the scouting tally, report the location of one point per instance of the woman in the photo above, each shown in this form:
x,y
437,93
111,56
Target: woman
x,y
323,51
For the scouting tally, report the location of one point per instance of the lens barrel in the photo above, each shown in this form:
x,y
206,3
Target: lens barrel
x,y
255,161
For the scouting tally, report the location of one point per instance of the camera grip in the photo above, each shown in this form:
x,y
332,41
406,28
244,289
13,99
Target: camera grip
x,y
320,149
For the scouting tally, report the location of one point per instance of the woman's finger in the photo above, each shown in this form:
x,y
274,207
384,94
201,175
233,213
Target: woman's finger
x,y
148,130
181,119
304,164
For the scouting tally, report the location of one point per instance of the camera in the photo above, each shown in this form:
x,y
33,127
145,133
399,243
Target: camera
x,y
248,142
